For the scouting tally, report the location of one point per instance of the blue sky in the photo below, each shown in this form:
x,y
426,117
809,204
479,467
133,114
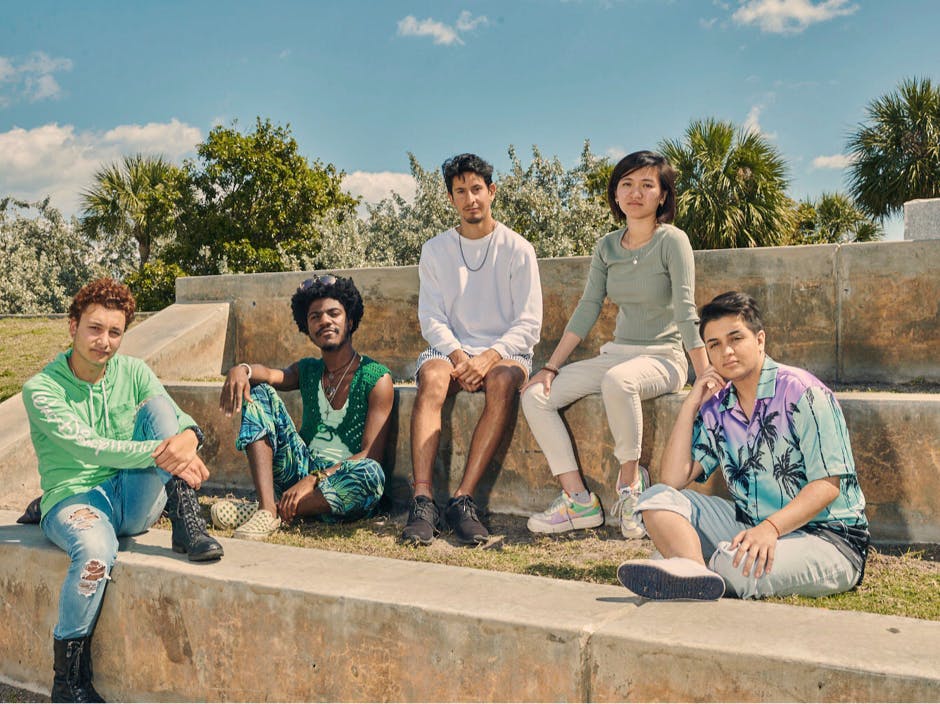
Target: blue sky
x,y
362,82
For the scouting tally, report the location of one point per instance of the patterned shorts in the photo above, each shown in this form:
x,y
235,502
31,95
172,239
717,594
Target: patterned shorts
x,y
430,353
352,491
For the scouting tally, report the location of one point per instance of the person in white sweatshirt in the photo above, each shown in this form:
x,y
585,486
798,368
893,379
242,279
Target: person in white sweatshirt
x,y
480,309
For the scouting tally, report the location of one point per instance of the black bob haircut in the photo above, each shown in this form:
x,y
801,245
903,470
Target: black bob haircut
x,y
734,303
327,286
666,212
463,164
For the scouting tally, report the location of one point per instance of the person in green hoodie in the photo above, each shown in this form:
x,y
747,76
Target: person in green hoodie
x,y
108,439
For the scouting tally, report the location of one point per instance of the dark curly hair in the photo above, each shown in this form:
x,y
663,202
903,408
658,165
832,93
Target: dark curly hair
x,y
327,286
105,292
463,164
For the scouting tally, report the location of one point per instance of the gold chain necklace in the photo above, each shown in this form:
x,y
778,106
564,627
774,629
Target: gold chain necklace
x,y
331,390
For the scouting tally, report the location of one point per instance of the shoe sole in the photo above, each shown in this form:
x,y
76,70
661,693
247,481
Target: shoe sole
x,y
575,524
201,557
655,583
474,540
415,540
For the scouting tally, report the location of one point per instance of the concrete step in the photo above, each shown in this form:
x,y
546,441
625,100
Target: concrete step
x,y
893,436
277,623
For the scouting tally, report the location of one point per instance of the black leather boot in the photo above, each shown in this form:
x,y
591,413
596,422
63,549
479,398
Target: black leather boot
x,y
189,528
73,673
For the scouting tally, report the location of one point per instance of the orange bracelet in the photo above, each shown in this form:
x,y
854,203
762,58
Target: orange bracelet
x,y
774,525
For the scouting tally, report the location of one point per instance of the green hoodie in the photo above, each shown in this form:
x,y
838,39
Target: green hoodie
x,y
82,432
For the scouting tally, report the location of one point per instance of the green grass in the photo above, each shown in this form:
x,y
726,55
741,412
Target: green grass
x,y
26,346
898,585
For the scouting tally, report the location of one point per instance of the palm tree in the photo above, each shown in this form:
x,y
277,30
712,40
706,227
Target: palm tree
x,y
896,155
731,186
833,219
135,199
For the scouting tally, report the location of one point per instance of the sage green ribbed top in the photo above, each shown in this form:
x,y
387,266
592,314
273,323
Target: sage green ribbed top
x,y
655,296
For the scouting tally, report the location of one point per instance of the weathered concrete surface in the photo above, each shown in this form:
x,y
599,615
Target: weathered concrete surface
x,y
922,219
890,311
894,440
182,342
275,623
833,309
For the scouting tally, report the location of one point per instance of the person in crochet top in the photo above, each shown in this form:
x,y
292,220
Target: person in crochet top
x,y
330,468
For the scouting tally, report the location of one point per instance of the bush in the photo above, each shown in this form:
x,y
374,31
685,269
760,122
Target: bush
x,y
154,286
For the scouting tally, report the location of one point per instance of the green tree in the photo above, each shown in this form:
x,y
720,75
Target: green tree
x,y
252,202
832,219
896,154
731,186
43,262
562,212
132,203
154,286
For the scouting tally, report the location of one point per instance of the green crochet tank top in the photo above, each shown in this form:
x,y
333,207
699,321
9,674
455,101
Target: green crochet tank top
x,y
363,381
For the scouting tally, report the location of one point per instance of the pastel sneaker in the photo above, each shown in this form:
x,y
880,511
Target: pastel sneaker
x,y
261,525
630,527
567,514
672,579
227,515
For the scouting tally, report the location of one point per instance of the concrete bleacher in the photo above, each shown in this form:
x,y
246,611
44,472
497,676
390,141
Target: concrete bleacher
x,y
856,315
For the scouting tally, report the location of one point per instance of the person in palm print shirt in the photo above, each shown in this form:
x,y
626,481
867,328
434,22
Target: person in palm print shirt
x,y
796,523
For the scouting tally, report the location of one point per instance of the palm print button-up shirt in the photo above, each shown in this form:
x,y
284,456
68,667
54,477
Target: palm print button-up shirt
x,y
796,435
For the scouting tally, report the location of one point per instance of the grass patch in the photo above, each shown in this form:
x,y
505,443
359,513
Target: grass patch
x,y
896,585
26,346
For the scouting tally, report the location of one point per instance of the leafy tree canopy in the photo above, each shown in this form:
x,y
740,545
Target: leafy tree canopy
x,y
896,153
43,260
251,202
832,219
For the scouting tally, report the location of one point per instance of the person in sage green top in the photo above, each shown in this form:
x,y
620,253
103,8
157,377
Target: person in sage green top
x,y
646,268
331,468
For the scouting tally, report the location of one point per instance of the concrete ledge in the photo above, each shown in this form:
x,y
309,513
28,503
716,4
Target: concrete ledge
x,y
893,438
321,626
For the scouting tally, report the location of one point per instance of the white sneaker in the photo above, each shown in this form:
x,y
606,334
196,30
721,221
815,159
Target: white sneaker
x,y
672,578
228,514
630,527
567,514
261,525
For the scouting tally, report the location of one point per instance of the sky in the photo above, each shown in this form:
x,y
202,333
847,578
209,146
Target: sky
x,y
363,83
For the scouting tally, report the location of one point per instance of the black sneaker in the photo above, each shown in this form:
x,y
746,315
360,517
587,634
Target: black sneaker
x,y
461,515
423,521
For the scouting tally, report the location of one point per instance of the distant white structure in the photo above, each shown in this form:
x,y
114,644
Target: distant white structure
x,y
922,219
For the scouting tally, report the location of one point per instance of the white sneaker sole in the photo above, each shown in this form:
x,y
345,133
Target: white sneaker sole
x,y
536,526
652,582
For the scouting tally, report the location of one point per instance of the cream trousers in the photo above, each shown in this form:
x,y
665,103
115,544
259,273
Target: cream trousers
x,y
624,375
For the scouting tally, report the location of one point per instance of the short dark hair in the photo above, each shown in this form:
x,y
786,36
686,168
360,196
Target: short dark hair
x,y
667,182
463,164
734,303
327,286
105,292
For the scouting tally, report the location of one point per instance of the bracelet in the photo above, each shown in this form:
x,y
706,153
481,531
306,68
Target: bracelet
x,y
549,368
774,526
247,368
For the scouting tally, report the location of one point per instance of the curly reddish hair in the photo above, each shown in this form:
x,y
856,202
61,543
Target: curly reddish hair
x,y
105,292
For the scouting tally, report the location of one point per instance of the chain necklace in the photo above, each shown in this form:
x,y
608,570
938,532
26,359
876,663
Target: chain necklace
x,y
462,256
330,389
638,252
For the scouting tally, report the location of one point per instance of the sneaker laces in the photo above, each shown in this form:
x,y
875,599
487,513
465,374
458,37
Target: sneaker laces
x,y
467,508
628,492
561,500
423,510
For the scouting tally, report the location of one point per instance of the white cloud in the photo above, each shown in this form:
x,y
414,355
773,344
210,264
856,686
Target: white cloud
x,y
56,160
375,186
752,121
836,161
616,153
707,24
32,78
440,32
789,16
467,22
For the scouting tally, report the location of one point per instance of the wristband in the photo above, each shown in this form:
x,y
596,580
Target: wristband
x,y
554,370
774,526
247,368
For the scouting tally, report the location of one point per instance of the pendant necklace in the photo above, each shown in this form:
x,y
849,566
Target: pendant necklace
x,y
330,389
637,253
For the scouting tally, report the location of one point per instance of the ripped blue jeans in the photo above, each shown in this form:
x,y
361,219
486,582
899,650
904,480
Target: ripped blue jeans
x,y
87,525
